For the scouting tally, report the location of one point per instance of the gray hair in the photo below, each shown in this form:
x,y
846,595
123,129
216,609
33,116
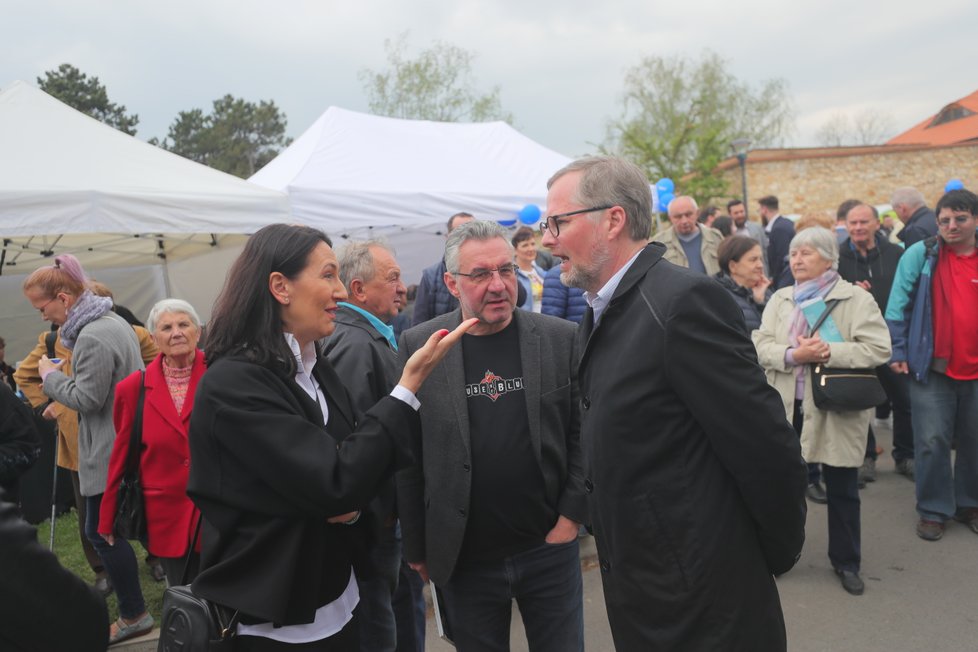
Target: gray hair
x,y
907,196
608,180
174,306
695,205
474,230
357,261
821,240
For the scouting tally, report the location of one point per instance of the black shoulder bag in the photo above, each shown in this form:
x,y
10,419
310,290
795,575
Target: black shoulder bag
x,y
130,513
190,622
843,390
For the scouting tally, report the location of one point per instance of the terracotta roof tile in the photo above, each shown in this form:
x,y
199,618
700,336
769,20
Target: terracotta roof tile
x,y
958,130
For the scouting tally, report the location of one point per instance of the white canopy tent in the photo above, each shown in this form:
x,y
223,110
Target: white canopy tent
x,y
358,175
70,184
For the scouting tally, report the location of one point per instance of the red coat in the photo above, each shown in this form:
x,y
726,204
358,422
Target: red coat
x,y
165,461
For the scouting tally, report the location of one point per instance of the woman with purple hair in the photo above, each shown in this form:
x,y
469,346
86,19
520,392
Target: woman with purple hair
x,y
105,350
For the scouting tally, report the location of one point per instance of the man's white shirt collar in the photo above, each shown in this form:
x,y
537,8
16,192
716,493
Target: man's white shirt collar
x,y
599,300
771,223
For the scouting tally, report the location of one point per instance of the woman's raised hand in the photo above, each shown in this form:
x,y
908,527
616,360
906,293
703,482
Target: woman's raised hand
x,y
425,359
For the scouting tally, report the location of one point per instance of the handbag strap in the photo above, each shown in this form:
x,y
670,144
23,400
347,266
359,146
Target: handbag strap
x,y
136,434
829,307
230,627
190,550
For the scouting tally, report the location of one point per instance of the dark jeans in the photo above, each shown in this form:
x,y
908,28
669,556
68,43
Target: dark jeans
x,y
545,581
841,487
410,610
345,640
119,561
175,566
378,632
90,555
897,388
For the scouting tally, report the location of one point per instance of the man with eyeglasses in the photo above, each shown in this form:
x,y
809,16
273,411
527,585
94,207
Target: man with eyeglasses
x,y
433,297
933,318
695,480
688,243
491,510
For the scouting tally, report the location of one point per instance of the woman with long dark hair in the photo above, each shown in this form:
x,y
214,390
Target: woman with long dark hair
x,y
279,466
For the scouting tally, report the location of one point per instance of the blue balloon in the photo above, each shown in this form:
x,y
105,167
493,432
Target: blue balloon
x,y
954,184
665,186
530,214
664,200
506,222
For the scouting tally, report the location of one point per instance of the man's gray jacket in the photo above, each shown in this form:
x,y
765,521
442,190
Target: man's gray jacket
x,y
433,495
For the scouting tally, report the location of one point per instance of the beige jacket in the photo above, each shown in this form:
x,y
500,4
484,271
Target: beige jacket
x,y
708,248
835,438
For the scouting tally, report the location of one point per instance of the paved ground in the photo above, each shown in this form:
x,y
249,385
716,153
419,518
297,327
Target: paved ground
x,y
919,595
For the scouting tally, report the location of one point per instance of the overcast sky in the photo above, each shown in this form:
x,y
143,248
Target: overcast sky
x,y
559,65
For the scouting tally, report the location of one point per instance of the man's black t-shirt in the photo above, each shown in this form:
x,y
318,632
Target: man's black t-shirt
x,y
507,509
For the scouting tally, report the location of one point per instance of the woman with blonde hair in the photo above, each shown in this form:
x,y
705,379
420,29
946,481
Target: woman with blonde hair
x,y
105,350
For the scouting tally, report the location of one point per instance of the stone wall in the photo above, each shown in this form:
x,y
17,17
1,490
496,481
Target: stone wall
x,y
820,179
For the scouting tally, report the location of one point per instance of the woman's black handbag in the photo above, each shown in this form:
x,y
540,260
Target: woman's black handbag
x,y
190,622
843,390
130,513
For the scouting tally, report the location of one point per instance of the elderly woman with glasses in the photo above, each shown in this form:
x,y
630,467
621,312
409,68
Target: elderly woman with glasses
x,y
853,336
105,350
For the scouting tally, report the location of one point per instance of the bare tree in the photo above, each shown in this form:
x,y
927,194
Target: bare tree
x,y
872,126
681,114
435,85
868,126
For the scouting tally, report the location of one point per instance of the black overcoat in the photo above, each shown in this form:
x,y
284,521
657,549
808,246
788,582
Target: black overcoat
x,y
695,479
266,474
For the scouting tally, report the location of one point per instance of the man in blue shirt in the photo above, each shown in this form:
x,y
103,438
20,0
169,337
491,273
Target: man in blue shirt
x,y
363,351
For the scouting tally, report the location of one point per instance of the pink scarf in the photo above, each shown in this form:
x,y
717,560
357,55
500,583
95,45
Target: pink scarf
x,y
804,291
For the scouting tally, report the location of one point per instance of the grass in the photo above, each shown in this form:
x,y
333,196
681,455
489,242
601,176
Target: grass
x,y
68,549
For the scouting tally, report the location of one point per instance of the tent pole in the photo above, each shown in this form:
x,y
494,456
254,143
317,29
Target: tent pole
x,y
161,253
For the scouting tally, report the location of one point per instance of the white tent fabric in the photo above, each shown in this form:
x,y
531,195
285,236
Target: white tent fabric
x,y
62,172
351,170
70,184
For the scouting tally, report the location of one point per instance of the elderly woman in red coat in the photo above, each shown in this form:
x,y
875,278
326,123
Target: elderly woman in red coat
x,y
164,464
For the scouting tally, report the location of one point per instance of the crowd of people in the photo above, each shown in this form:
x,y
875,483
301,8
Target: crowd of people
x,y
545,383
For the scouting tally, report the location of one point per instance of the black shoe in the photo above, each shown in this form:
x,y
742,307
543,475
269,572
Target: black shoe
x,y
867,472
103,585
929,530
851,582
816,493
156,570
905,467
968,516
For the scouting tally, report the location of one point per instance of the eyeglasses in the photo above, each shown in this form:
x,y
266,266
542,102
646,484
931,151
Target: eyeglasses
x,y
46,304
960,219
552,222
480,276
